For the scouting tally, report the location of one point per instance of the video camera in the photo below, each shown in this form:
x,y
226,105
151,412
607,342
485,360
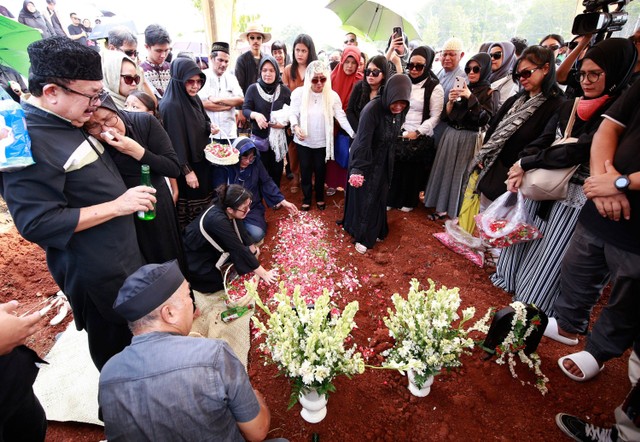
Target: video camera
x,y
598,19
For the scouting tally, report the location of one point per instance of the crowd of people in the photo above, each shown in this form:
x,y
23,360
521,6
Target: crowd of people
x,y
386,131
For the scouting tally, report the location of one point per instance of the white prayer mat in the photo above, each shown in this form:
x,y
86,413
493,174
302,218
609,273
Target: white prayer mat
x,y
68,387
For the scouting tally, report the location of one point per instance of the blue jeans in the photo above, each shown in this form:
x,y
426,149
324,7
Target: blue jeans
x,y
255,232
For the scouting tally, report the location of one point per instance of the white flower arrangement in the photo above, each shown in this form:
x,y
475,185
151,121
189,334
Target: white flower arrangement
x,y
426,341
515,343
308,343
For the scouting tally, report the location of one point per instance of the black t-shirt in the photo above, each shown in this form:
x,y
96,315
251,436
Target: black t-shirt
x,y
623,234
76,30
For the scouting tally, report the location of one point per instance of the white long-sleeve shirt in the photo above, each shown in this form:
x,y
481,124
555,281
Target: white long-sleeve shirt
x,y
414,116
316,135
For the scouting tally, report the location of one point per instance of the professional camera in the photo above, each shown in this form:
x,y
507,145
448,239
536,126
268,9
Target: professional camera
x,y
598,18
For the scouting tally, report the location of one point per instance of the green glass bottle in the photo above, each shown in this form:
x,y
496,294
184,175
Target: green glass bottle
x,y
145,180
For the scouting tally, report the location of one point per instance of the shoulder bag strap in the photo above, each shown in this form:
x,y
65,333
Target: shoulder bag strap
x,y
572,119
208,237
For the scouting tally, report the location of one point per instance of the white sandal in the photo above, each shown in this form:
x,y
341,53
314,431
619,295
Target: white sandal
x,y
361,248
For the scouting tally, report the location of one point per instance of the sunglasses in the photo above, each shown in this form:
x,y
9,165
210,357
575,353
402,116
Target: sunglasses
x,y
351,40
130,79
551,47
415,66
255,37
131,53
496,55
372,72
317,80
527,73
474,69
192,82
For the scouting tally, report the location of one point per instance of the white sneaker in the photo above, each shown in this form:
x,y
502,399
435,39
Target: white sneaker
x,y
361,248
406,209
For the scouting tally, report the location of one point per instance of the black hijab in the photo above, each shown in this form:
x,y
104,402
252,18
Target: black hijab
x,y
617,57
429,55
269,88
484,61
184,116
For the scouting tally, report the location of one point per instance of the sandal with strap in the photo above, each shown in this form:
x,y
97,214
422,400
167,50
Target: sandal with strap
x,y
435,216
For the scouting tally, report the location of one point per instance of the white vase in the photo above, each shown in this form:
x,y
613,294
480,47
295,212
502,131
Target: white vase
x,y
314,406
413,388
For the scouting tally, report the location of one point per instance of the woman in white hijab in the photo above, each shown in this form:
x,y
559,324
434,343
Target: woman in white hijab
x,y
121,75
313,108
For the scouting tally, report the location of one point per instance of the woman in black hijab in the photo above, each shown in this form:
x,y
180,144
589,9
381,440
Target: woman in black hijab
x,y
371,164
31,17
189,127
268,94
531,270
138,138
415,149
468,110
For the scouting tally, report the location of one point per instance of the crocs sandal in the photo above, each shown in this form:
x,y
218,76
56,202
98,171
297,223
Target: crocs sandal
x,y
585,361
360,248
551,332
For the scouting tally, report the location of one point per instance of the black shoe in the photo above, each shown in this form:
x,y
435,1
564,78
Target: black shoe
x,y
581,431
289,176
340,222
321,205
305,207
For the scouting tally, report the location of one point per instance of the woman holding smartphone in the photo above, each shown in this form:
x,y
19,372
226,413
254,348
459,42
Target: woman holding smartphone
x,y
468,110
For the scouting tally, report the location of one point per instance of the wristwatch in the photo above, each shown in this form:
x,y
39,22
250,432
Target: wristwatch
x,y
622,183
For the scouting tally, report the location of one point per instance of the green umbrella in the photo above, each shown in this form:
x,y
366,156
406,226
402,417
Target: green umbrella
x,y
14,39
373,19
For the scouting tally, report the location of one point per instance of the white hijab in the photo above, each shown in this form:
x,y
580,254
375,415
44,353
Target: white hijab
x,y
315,68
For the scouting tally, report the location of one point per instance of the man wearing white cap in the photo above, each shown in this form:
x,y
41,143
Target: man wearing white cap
x,y
166,386
247,64
452,53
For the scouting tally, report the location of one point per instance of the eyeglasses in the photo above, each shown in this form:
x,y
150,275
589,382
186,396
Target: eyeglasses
x,y
591,77
192,82
372,72
248,158
415,66
449,54
496,55
131,53
130,79
350,40
551,47
96,128
474,69
316,80
93,99
527,73
75,18
245,210
255,37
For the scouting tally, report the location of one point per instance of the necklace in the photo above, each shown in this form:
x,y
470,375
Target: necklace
x,y
316,97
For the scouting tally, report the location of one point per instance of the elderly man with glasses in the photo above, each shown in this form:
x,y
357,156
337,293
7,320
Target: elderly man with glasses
x,y
72,202
450,57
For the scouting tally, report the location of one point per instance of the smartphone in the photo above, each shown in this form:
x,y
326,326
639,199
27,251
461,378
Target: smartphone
x,y
397,32
459,83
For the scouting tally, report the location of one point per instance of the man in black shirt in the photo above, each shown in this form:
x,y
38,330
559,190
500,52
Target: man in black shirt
x,y
76,32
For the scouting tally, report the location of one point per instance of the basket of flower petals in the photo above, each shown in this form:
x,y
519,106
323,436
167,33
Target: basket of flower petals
x,y
221,154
